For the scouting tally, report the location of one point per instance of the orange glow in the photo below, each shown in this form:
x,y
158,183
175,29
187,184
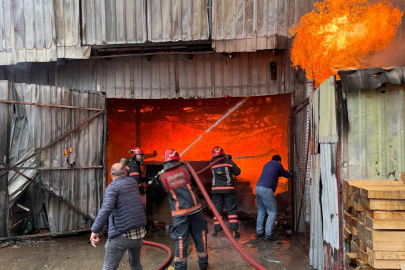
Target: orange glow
x,y
341,33
252,134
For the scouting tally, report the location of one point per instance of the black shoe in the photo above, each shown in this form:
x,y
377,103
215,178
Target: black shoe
x,y
216,234
259,235
235,234
270,238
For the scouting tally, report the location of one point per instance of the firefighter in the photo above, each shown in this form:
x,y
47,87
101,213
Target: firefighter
x,y
223,190
135,167
188,218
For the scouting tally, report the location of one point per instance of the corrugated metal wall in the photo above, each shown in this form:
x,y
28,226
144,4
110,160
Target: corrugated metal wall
x,y
36,126
330,206
325,220
240,25
114,22
40,31
176,76
176,20
68,36
140,21
376,137
27,31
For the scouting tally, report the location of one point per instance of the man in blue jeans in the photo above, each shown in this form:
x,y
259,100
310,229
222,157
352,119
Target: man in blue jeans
x,y
266,200
122,206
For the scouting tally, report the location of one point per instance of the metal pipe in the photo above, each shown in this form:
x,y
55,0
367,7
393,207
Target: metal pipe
x,y
49,105
56,168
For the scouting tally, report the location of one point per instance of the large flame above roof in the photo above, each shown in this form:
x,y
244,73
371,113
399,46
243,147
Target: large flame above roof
x,y
340,34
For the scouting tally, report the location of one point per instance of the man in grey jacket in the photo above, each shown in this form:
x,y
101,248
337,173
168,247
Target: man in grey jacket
x,y
122,206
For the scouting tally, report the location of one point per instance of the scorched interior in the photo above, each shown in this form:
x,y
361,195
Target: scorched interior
x,y
251,134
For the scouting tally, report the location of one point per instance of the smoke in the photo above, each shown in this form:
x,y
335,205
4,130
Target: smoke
x,y
392,55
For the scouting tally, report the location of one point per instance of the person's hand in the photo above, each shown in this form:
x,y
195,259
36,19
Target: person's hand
x,y
94,239
228,156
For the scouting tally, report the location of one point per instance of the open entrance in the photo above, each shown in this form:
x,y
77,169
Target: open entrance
x,y
251,134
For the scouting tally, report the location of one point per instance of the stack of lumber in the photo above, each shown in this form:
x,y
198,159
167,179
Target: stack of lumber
x,y
374,218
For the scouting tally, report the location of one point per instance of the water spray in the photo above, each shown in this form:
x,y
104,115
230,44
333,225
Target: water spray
x,y
206,131
215,124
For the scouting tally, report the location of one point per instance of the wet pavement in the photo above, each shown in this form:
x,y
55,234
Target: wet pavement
x,y
75,252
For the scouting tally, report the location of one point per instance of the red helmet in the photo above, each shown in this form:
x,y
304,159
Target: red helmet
x,y
136,151
216,151
170,154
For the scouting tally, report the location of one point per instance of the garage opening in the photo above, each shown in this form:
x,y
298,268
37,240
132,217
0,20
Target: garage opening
x,y
252,134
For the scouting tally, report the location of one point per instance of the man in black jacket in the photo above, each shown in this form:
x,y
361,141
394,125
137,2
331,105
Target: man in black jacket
x,y
223,190
122,206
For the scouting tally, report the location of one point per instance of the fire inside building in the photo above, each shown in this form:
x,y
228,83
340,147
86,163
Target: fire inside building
x,y
84,82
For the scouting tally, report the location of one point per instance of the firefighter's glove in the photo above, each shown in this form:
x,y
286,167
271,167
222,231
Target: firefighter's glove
x,y
291,173
228,156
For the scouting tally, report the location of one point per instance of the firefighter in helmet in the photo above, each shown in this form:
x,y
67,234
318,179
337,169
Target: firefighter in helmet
x,y
135,167
188,218
223,190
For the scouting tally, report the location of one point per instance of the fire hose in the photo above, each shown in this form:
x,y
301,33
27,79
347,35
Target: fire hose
x,y
214,210
169,253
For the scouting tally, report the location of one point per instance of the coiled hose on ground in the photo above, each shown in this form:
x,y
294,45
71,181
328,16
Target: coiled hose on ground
x,y
214,210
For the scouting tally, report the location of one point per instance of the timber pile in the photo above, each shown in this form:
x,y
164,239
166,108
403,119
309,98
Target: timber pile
x,y
374,214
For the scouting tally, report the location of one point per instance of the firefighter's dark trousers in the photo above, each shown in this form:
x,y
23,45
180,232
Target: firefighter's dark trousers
x,y
231,209
195,225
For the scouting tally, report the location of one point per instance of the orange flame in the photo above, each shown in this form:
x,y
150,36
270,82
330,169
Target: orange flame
x,y
340,33
251,134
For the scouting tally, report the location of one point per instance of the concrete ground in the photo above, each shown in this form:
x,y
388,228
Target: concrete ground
x,y
75,252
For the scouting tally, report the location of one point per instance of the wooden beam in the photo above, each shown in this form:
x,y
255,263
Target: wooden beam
x,y
370,182
378,235
351,258
384,264
379,204
385,215
362,255
385,224
362,265
358,207
347,235
385,246
383,192
387,255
